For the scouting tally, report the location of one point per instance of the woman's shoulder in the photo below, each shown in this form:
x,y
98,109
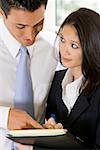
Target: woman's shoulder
x,y
60,73
95,93
58,77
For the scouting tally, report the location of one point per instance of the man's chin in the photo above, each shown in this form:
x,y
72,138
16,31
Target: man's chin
x,y
27,43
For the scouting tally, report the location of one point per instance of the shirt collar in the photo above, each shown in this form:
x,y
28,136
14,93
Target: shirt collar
x,y
11,43
68,78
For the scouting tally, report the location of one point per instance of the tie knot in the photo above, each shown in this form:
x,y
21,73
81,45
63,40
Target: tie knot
x,y
24,49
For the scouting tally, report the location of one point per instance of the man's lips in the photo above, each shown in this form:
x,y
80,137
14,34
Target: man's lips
x,y
28,41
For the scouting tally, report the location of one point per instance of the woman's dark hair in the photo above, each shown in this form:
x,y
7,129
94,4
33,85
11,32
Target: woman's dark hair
x,y
30,5
87,24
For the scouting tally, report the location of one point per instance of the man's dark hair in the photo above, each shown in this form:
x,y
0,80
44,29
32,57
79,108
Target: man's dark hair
x,y
29,5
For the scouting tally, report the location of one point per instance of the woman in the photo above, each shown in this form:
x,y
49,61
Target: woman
x,y
74,98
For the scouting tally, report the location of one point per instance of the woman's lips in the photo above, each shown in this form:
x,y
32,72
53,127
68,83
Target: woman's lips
x,y
66,59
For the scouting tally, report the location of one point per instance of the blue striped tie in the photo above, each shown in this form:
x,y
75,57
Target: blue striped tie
x,y
24,95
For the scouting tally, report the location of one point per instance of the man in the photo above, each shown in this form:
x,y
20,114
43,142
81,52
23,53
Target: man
x,y
20,23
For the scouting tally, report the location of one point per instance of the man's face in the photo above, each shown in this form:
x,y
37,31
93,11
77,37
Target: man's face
x,y
25,25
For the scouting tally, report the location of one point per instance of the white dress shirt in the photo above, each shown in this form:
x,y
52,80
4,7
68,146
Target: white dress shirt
x,y
70,89
43,64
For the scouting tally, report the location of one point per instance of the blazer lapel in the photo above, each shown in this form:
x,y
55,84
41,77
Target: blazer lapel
x,y
80,105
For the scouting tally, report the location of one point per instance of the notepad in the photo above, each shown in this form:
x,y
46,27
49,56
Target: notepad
x,y
45,138
37,132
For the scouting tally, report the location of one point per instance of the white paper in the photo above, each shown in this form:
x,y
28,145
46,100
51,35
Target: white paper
x,y
37,132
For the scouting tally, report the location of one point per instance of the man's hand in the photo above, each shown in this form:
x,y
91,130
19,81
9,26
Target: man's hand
x,y
19,119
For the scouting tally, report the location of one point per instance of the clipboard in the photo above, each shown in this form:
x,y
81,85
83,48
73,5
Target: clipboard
x,y
46,138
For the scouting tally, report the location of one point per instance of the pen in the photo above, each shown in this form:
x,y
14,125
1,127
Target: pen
x,y
53,116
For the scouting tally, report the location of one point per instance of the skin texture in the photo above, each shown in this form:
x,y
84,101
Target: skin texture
x,y
24,26
19,119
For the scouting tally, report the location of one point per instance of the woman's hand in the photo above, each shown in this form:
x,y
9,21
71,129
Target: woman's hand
x,y
51,124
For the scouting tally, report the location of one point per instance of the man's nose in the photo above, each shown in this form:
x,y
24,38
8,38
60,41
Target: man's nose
x,y
30,34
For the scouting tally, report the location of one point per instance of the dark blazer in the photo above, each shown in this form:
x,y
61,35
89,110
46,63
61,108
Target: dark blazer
x,y
84,119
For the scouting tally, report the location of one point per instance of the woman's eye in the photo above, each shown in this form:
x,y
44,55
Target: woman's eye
x,y
62,39
74,46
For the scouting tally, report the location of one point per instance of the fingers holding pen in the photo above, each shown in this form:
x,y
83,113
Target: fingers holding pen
x,y
51,124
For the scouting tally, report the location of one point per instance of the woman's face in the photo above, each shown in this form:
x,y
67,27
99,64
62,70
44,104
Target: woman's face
x,y
70,48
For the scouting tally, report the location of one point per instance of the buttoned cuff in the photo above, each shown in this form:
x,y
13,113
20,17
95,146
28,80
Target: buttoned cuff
x,y
4,112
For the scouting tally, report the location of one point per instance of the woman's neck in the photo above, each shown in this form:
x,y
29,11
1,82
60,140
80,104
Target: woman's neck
x,y
76,72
